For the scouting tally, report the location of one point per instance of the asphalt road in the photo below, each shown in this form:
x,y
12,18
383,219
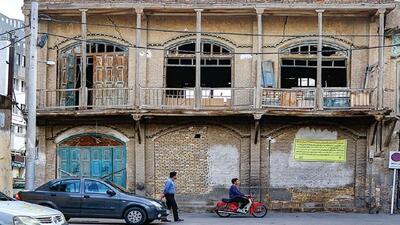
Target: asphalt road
x,y
272,218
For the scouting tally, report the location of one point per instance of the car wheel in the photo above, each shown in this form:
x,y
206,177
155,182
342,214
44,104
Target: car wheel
x,y
135,216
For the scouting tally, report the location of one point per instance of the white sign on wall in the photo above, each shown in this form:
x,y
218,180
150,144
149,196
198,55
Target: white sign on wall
x,y
2,120
394,160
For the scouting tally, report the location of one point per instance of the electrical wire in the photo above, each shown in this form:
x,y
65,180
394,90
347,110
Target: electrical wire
x,y
50,19
232,53
10,31
18,40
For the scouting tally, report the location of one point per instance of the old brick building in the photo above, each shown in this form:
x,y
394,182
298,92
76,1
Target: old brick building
x,y
221,89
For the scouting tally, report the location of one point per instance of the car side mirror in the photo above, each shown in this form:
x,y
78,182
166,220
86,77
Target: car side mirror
x,y
111,192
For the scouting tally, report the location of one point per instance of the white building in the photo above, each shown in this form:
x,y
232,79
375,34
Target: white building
x,y
18,128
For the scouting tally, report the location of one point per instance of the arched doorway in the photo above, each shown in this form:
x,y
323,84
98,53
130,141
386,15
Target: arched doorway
x,y
92,155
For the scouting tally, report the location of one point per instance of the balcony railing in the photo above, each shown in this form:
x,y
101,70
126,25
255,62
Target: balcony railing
x,y
232,98
210,98
343,98
110,97
58,99
288,98
167,98
184,98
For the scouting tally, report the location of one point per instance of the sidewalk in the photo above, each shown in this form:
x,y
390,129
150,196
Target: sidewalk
x,y
272,218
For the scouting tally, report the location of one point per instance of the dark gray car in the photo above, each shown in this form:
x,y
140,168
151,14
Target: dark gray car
x,y
94,198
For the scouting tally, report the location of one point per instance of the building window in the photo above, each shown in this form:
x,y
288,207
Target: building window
x,y
299,66
15,109
20,130
16,84
22,86
18,59
23,61
107,67
216,65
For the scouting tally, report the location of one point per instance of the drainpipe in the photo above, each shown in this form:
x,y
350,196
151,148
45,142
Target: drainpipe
x,y
319,94
198,59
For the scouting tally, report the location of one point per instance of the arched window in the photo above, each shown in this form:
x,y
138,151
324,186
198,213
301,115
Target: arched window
x,y
299,66
216,65
106,67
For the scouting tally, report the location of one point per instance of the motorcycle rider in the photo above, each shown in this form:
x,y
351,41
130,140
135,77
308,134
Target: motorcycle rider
x,y
236,196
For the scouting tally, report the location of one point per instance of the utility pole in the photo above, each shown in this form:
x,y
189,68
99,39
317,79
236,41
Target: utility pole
x,y
31,101
5,125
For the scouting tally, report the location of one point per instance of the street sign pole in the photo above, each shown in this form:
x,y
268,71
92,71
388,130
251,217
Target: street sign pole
x,y
393,190
394,163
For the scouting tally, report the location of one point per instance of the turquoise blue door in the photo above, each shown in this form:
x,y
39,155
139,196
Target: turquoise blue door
x,y
97,162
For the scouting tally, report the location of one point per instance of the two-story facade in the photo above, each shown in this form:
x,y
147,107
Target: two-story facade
x,y
222,89
18,126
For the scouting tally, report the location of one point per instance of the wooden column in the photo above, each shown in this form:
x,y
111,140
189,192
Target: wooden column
x,y
381,57
260,12
319,93
138,77
198,59
83,89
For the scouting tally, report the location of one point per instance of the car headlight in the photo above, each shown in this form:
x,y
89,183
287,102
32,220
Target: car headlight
x,y
156,204
25,220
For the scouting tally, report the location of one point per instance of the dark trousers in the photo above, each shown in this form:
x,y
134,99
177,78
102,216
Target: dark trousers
x,y
242,201
171,203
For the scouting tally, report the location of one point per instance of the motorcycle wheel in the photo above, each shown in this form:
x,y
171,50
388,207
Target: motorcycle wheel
x,y
260,211
222,211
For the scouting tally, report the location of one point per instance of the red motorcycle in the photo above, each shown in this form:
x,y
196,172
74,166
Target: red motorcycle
x,y
226,208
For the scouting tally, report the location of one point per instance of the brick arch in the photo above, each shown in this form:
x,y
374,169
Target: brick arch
x,y
278,131
103,130
207,37
66,43
223,127
335,41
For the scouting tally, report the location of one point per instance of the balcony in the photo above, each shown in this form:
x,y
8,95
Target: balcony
x,y
184,98
219,100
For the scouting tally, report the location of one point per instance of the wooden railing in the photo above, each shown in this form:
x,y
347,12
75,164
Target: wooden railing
x,y
288,98
344,98
210,98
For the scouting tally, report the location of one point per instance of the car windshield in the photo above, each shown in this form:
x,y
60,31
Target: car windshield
x,y
119,188
4,197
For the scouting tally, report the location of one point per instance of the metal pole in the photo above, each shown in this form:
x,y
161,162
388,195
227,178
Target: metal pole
x,y
11,57
381,57
393,190
31,101
139,12
198,59
319,60
259,56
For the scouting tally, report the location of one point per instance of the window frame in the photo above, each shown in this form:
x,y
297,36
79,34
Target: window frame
x,y
97,193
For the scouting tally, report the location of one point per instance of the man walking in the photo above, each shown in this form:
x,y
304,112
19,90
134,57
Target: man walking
x,y
169,194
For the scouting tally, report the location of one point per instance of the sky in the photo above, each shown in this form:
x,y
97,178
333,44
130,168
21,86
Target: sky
x,y
12,8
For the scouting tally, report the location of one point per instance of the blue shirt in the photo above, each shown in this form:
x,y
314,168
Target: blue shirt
x,y
234,192
169,187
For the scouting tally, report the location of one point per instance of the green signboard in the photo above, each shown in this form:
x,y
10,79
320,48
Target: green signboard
x,y
320,150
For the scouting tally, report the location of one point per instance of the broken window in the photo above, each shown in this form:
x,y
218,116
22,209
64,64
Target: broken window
x,y
216,66
299,66
106,72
